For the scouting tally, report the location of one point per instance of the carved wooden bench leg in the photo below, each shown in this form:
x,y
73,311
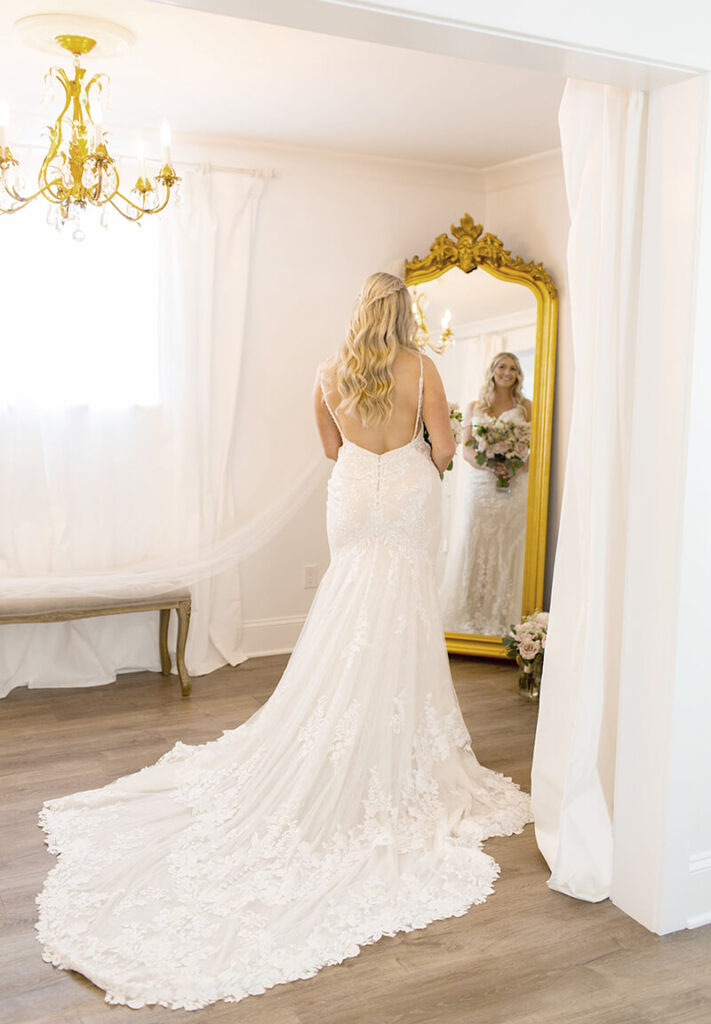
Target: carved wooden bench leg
x,y
164,655
183,611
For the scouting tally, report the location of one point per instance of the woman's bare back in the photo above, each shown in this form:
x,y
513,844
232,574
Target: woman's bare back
x,y
400,426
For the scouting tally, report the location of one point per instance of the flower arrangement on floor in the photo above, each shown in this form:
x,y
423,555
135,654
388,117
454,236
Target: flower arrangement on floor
x,y
502,447
526,642
455,422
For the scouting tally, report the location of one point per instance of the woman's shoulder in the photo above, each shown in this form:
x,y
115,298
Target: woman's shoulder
x,y
326,369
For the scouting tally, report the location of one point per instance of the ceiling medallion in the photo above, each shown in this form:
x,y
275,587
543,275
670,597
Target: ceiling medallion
x,y
78,171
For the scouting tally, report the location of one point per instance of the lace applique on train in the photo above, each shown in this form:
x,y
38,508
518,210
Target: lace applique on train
x,y
349,806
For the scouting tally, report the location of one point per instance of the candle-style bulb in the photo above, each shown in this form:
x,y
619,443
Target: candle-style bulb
x,y
165,142
141,157
446,319
4,121
98,115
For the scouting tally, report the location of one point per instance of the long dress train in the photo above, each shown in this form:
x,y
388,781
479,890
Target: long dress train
x,y
348,807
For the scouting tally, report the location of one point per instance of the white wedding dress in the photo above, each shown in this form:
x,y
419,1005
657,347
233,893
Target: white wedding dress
x,y
348,807
483,582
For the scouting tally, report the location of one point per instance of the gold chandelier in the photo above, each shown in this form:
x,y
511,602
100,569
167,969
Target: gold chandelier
x,y
78,170
422,337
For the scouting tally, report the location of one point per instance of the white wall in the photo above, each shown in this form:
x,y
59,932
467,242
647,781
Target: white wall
x,y
662,861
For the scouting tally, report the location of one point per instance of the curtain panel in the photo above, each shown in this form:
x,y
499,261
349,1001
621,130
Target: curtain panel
x,y
603,134
136,500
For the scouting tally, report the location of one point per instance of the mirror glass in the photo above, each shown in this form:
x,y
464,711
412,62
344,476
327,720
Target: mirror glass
x,y
484,500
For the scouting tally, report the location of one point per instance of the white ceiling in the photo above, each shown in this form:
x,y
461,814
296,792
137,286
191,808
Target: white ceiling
x,y
217,75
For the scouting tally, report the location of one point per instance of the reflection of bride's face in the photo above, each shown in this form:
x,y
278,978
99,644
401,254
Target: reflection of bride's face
x,y
505,373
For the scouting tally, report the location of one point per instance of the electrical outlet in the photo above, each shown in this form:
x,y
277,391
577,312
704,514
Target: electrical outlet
x,y
310,577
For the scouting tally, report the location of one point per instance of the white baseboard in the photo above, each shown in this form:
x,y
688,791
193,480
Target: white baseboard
x,y
271,636
700,889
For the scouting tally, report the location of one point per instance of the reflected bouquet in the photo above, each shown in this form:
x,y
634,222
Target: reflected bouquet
x,y
501,446
526,642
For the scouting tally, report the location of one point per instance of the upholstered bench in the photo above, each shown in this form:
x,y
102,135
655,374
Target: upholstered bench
x,y
64,609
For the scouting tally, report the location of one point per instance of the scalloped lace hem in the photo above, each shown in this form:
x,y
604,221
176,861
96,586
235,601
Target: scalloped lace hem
x,y
340,939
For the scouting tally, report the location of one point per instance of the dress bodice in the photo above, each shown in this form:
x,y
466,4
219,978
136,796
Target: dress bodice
x,y
392,498
515,415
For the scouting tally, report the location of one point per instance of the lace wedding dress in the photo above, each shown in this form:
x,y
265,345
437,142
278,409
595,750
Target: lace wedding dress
x,y
348,807
484,580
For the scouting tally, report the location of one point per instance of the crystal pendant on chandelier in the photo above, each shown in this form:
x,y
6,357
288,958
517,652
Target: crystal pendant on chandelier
x,y
78,171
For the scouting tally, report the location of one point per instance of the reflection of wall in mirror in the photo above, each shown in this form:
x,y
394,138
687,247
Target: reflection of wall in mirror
x,y
463,368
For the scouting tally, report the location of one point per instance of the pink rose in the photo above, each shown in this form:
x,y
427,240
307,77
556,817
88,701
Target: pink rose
x,y
521,450
499,448
529,648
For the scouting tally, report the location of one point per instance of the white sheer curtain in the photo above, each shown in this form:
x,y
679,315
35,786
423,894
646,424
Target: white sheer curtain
x,y
603,132
135,494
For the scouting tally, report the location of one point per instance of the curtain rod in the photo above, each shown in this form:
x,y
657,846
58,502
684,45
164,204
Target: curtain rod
x,y
255,172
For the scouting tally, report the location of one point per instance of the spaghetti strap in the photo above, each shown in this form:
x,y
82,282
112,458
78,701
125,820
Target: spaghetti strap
x,y
325,402
418,421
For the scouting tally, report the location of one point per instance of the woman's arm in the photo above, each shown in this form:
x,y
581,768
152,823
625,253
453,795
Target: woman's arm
x,y
435,413
469,452
328,431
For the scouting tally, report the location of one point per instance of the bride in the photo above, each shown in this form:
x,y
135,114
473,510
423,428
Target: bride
x,y
350,805
483,583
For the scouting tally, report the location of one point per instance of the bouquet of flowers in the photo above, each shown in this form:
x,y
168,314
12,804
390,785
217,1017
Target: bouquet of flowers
x,y
455,422
526,642
501,446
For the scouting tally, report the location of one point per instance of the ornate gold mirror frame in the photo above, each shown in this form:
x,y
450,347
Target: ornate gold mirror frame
x,y
470,249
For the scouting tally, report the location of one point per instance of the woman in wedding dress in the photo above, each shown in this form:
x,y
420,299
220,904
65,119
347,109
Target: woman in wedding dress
x,y
485,585
350,805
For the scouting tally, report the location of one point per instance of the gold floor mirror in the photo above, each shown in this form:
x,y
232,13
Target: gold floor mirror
x,y
492,560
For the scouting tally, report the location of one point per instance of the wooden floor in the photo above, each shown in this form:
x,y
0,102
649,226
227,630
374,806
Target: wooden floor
x,y
528,955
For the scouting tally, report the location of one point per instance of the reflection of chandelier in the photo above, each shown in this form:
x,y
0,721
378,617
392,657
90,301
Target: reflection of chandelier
x,y
422,337
78,170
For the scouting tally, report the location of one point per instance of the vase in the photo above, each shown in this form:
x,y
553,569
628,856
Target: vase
x,y
529,680
528,686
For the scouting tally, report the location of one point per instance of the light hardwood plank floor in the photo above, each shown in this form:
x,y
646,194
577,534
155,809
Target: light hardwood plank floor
x,y
526,956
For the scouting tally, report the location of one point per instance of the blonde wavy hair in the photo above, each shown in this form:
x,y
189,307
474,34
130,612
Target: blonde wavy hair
x,y
382,322
486,395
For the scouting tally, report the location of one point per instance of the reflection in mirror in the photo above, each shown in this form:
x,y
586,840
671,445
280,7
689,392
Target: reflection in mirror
x,y
487,367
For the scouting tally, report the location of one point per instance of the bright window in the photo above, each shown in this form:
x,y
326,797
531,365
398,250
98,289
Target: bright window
x,y
78,320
